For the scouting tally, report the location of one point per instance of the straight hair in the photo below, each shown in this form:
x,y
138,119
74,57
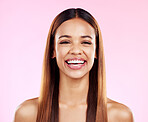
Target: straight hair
x,y
48,107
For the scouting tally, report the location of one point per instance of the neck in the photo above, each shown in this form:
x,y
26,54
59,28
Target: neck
x,y
73,91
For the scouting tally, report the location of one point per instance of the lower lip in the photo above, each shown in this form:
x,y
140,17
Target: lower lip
x,y
76,67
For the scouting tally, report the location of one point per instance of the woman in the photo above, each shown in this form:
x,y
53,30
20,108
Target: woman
x,y
73,81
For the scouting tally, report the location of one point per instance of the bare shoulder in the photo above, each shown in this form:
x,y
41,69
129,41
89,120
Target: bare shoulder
x,y
27,111
118,112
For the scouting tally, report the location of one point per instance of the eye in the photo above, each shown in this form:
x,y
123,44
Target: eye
x,y
86,42
64,42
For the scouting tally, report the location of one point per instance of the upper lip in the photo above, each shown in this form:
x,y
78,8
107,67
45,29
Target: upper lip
x,y
82,59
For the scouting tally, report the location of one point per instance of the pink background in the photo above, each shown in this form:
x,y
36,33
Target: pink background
x,y
24,27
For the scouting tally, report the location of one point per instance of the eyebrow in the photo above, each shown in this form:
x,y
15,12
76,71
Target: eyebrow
x,y
87,36
67,36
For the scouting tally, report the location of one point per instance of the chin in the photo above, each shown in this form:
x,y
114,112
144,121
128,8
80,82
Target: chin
x,y
77,75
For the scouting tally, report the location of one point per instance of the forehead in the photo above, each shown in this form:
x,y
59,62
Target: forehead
x,y
76,26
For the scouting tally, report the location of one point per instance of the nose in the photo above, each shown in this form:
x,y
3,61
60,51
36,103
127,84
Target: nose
x,y
75,50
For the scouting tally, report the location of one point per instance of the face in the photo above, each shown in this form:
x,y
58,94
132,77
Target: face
x,y
75,48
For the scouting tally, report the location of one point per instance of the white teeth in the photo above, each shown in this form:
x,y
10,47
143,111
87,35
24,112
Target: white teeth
x,y
75,61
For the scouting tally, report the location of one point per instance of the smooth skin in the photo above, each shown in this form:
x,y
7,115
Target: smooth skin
x,y
74,38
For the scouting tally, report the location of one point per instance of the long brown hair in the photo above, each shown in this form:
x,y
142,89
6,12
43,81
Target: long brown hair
x,y
48,109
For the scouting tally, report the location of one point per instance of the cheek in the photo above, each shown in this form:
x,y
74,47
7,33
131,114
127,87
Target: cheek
x,y
90,52
61,52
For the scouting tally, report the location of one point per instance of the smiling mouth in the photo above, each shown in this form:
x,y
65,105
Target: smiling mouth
x,y
75,62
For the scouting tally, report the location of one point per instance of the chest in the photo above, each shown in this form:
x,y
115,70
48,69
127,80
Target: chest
x,y
74,114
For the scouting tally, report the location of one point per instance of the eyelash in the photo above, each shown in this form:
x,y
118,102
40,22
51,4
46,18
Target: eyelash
x,y
86,42
64,42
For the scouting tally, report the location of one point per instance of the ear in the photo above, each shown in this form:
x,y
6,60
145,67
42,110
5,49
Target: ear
x,y
54,54
95,51
95,56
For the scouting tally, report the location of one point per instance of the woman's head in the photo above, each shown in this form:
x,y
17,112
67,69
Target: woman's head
x,y
74,48
66,17
73,25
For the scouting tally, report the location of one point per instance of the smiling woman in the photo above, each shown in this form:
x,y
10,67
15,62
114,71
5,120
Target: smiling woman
x,y
73,83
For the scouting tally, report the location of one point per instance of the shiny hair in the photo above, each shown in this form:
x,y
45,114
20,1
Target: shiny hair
x,y
48,108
